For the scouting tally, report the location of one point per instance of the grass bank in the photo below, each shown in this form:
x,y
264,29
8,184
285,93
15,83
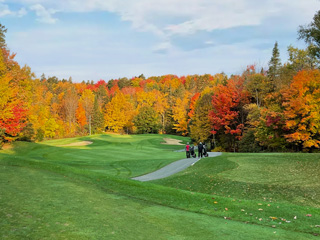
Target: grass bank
x,y
50,191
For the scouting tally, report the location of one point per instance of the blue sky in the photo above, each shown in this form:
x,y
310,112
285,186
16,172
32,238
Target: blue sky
x,y
105,39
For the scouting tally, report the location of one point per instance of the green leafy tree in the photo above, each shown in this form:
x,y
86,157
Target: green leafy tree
x,y
311,34
28,133
301,59
97,118
200,127
270,127
147,120
248,142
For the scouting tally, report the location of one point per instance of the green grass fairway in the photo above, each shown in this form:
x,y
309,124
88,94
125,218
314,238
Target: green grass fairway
x,y
51,190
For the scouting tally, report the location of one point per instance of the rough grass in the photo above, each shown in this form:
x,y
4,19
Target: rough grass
x,y
85,192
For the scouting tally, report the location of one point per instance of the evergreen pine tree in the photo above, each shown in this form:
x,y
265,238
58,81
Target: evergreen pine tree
x,y
97,120
274,68
3,30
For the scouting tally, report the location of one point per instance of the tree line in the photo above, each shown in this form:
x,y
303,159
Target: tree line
x,y
274,109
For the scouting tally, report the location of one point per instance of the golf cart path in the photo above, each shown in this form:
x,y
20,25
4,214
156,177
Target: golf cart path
x,y
172,168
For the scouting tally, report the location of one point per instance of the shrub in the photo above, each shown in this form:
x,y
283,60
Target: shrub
x,y
248,143
218,149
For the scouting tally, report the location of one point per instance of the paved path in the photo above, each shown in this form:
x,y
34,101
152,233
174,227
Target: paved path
x,y
172,168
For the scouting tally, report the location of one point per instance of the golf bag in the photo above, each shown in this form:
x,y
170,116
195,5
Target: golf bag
x,y
192,152
205,153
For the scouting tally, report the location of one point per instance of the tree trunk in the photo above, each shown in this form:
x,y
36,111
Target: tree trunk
x,y
90,124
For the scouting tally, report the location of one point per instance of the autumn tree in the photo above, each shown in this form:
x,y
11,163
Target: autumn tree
x,y
302,110
70,106
256,84
119,113
101,93
81,115
180,115
12,108
161,106
145,99
192,106
87,101
228,115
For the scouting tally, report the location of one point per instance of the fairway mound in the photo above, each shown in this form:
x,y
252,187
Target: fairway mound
x,y
83,143
171,141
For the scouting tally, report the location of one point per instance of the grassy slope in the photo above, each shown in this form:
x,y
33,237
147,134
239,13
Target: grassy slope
x,y
259,186
285,177
53,192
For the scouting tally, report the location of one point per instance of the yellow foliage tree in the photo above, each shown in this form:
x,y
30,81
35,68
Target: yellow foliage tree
x,y
119,113
180,114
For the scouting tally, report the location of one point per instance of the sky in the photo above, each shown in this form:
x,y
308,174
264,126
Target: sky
x,y
110,39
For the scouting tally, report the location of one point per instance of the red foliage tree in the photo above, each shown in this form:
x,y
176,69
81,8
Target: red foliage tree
x,y
228,101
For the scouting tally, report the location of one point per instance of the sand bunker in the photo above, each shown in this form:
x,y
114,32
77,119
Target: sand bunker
x,y
172,141
6,147
83,143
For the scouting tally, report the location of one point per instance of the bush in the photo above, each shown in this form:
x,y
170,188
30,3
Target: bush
x,y
248,143
40,135
218,149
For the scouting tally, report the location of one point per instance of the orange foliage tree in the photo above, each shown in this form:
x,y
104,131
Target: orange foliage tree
x,y
302,109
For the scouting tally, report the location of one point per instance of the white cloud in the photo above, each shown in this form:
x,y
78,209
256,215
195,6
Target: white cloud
x,y
21,12
195,15
163,47
44,15
209,42
5,11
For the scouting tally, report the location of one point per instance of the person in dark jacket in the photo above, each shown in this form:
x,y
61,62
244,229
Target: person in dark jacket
x,y
200,149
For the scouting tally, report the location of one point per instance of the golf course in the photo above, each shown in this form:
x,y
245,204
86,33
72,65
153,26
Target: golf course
x,y
82,188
